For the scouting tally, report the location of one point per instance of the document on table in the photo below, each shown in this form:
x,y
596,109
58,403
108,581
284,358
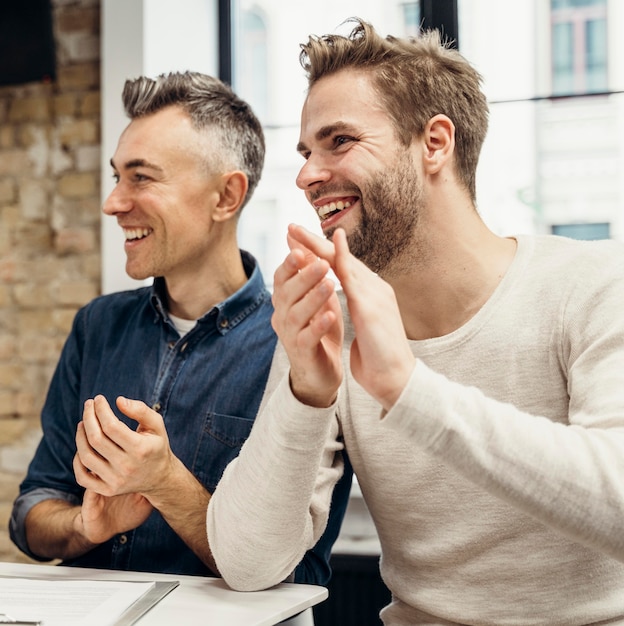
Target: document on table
x,y
79,602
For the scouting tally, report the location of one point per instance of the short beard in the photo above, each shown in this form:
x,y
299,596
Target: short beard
x,y
386,235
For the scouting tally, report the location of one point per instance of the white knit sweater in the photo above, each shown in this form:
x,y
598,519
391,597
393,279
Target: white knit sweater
x,y
496,482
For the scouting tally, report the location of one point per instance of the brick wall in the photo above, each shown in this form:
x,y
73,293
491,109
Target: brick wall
x,y
49,231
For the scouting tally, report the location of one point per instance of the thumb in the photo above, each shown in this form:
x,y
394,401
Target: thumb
x,y
147,418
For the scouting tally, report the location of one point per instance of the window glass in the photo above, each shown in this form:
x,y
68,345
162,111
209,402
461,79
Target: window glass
x,y
582,231
579,46
596,65
563,58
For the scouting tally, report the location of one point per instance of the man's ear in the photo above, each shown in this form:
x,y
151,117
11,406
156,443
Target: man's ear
x,y
234,187
439,143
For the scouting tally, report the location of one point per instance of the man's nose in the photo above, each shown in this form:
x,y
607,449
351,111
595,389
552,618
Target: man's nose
x,y
312,172
117,202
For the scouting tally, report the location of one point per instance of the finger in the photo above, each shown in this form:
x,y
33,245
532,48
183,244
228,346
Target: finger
x,y
88,457
97,426
318,246
290,267
310,318
293,244
346,264
84,477
294,279
148,419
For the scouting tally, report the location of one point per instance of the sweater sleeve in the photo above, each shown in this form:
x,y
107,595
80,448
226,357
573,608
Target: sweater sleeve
x,y
566,472
272,503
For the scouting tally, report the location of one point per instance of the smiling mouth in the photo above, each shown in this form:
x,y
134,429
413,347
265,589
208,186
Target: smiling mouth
x,y
134,234
332,208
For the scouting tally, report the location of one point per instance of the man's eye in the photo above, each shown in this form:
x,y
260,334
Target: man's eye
x,y
116,178
340,140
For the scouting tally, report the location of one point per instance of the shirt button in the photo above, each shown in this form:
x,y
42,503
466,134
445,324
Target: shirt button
x,y
156,406
223,323
171,345
123,539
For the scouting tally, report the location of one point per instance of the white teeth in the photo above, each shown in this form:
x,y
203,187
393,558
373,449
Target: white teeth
x,y
325,210
135,233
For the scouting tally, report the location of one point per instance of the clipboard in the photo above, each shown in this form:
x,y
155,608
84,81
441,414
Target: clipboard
x,y
146,602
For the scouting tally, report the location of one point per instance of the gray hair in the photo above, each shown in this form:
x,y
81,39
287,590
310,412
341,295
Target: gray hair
x,y
213,107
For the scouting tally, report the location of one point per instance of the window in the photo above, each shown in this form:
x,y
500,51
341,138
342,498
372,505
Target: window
x,y
411,18
579,46
251,78
599,230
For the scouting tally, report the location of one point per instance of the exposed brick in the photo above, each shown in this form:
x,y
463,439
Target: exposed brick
x,y
34,198
36,109
26,403
29,296
72,240
78,19
7,403
78,132
5,242
76,293
36,321
10,376
63,320
34,237
78,76
91,104
88,159
8,344
6,299
36,348
80,47
79,185
50,212
73,213
65,105
7,191
8,269
61,159
13,162
11,430
7,136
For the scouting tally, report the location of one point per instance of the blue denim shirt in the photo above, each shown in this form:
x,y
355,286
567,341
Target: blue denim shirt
x,y
206,385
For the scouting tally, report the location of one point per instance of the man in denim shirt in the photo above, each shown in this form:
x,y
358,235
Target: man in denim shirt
x,y
196,347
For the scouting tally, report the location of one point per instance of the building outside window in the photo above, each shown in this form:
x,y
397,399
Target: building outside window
x,y
579,46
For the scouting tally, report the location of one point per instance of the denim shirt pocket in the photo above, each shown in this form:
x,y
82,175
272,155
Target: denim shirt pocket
x,y
221,440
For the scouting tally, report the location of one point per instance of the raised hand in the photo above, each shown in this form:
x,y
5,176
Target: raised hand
x,y
308,321
381,359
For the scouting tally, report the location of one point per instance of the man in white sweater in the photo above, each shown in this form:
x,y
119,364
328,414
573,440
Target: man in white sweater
x,y
476,382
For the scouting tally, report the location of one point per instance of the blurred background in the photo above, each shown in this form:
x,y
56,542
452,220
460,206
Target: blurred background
x,y
553,72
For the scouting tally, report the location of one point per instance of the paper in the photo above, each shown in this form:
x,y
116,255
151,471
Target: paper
x,y
70,602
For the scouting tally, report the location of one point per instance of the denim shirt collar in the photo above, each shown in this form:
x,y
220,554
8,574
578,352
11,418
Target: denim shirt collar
x,y
233,310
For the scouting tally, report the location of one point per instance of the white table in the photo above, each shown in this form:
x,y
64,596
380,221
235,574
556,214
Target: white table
x,y
196,600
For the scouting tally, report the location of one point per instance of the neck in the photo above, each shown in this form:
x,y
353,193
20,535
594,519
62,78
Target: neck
x,y
451,280
191,296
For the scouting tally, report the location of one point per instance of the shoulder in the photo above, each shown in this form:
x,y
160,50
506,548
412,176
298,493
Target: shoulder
x,y
563,249
588,263
110,306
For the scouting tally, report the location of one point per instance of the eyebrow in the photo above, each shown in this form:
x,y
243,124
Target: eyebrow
x,y
137,163
324,132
